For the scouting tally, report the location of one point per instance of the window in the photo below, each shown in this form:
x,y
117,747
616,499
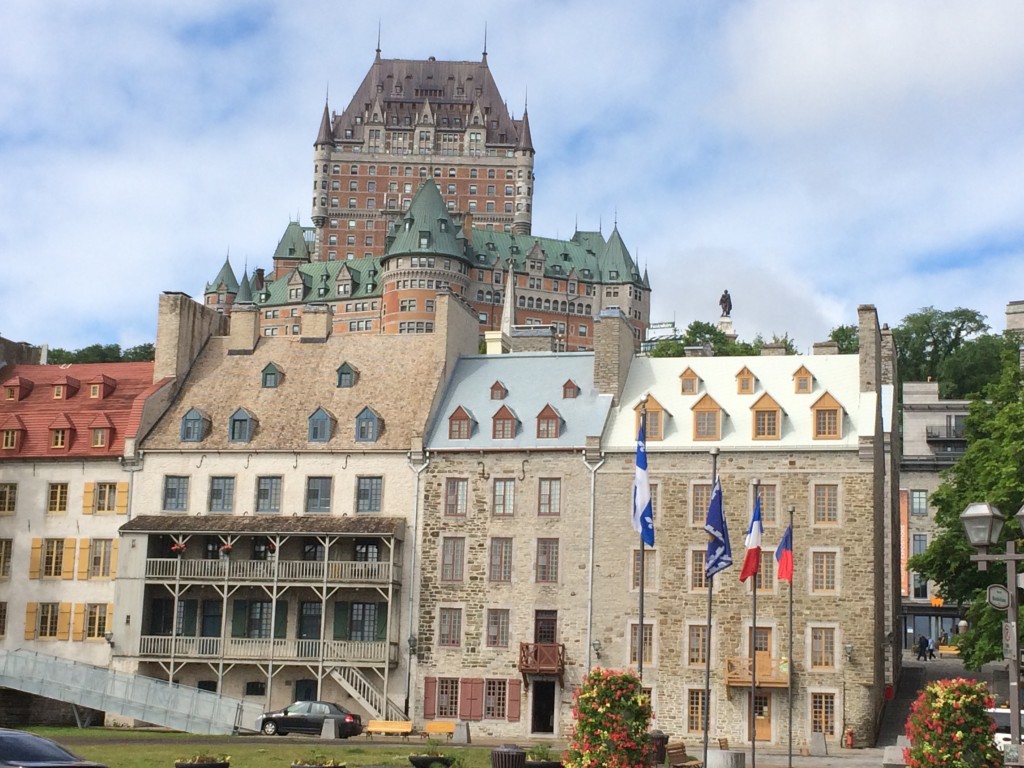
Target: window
x,y
547,561
368,494
53,557
802,380
744,382
106,497
655,428
318,494
3,619
547,424
95,620
8,497
766,423
919,502
271,376
456,493
47,621
826,504
823,713
650,570
58,391
689,382
765,575
497,629
58,438
449,630
459,425
255,688
549,497
257,619
495,699
5,557
175,493
823,648
363,622
570,390
920,584
240,426
504,425
101,552
498,391
698,580
268,494
705,425
697,645
500,566
452,555
701,494
319,426
367,426
222,494
634,643
347,376
826,418
10,438
503,504
823,572
769,502
695,710
447,697
99,438
192,426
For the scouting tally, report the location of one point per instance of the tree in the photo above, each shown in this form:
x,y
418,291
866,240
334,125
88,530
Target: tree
x,y
702,334
949,727
847,339
973,366
612,715
927,337
101,353
139,354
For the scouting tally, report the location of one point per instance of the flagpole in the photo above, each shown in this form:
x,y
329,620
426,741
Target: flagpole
x,y
640,628
707,633
753,646
789,683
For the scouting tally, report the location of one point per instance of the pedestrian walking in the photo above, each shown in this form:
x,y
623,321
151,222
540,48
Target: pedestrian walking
x,y
922,648
931,648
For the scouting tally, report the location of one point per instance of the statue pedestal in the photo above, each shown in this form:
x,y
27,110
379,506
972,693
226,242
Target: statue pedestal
x,y
725,326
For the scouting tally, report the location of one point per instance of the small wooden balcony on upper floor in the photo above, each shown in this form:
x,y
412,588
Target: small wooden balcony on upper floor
x,y
541,659
771,672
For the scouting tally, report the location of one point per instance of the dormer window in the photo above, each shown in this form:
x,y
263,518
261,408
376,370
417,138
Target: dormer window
x,y
689,382
460,424
424,239
442,225
767,422
803,381
11,430
828,418
655,420
10,393
570,391
194,426
320,426
707,419
503,424
241,426
549,424
10,440
271,376
99,437
498,391
94,391
745,382
58,391
368,426
347,376
58,438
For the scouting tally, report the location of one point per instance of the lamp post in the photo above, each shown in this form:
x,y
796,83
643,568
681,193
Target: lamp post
x,y
983,523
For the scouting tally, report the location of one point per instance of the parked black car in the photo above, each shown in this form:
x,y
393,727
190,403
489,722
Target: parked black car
x,y
19,749
308,717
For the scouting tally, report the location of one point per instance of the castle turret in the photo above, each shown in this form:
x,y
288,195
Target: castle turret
x,y
220,294
322,148
522,220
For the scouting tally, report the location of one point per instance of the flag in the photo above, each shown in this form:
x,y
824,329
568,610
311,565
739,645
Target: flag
x,y
753,542
643,512
784,556
719,555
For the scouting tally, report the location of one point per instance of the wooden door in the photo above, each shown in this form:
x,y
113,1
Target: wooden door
x,y
762,715
761,643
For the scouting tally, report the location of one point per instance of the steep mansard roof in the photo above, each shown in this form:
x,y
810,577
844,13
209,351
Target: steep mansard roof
x,y
292,244
427,214
225,277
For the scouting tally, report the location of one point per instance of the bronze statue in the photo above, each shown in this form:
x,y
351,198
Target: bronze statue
x,y
726,304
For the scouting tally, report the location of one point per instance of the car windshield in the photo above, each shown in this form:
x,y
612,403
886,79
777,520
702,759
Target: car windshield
x,y
22,748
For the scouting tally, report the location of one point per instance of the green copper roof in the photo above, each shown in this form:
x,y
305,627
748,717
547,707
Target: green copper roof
x,y
426,227
320,282
293,243
225,277
244,295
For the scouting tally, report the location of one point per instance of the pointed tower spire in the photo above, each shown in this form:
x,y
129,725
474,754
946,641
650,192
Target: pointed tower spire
x,y
508,309
325,137
244,295
378,40
485,42
525,139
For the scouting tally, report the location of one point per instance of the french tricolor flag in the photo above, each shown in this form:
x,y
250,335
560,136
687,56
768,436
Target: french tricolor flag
x,y
784,556
753,542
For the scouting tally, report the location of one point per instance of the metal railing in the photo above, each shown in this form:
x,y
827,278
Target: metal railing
x,y
294,571
280,649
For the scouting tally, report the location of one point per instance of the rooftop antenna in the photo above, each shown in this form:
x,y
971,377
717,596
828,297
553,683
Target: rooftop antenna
x,y
485,41
378,38
615,221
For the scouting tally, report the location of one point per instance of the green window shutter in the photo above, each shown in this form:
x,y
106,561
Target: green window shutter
x,y
341,614
281,619
381,630
239,618
189,611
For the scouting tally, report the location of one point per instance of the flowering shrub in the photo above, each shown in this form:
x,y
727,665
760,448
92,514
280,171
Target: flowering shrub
x,y
949,728
612,715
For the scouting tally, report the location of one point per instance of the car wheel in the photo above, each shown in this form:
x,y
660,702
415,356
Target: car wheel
x,y
269,727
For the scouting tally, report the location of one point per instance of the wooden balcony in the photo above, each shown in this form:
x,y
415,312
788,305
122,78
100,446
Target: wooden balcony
x,y
541,659
771,672
245,649
197,570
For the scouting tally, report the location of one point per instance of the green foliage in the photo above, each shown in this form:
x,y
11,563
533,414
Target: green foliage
x,y
204,759
949,728
927,337
612,716
102,353
972,366
846,336
701,334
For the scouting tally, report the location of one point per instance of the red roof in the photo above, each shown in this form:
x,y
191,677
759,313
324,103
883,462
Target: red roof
x,y
39,412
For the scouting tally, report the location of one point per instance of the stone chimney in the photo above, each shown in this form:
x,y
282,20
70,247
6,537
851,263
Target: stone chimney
x,y
869,338
889,358
825,348
1015,317
183,327
533,338
316,323
245,329
613,352
774,349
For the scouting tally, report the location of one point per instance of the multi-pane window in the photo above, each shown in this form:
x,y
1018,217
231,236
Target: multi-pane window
x,y
100,558
823,571
920,584
53,557
57,498
766,423
695,710
58,438
547,426
823,648
634,643
10,439
456,496
449,627
769,503
459,428
826,422
504,497
701,494
368,494
497,627
222,494
698,580
5,558
504,427
705,425
696,644
363,622
258,619
448,697
8,497
549,498
3,619
175,493
95,620
106,497
495,699
46,619
823,713
319,427
99,438
318,494
268,494
453,549
650,569
919,502
826,504
547,560
500,566
765,576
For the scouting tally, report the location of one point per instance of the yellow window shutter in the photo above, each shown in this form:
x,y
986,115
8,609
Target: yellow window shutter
x,y
88,498
122,499
37,556
30,621
78,624
110,614
64,622
83,559
67,571
113,558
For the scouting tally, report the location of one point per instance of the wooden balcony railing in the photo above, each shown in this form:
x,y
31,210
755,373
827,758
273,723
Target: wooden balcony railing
x,y
243,649
771,672
542,658
292,571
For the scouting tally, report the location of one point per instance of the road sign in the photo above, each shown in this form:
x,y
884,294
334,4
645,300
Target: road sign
x,y
998,597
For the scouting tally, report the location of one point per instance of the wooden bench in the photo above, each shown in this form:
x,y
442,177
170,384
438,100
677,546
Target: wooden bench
x,y
435,728
676,757
388,728
948,650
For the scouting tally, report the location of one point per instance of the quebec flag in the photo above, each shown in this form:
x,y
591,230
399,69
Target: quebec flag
x,y
643,511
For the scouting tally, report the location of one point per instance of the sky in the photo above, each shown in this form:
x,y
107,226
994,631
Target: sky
x,y
808,157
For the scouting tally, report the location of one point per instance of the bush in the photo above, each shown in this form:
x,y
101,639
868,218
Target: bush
x,y
948,727
612,715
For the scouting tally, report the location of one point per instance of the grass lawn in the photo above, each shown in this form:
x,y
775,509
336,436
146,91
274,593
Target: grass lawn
x,y
119,748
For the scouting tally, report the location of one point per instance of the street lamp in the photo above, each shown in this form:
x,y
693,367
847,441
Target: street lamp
x,y
983,524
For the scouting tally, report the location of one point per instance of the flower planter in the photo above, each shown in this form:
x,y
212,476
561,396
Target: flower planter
x,y
425,761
